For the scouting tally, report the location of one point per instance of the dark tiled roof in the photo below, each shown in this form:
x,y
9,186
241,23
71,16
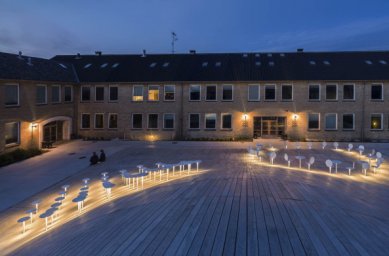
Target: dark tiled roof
x,y
233,67
14,67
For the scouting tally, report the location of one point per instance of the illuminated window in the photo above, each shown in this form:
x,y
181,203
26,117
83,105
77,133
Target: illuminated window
x,y
12,133
113,121
137,93
210,121
153,93
169,92
376,121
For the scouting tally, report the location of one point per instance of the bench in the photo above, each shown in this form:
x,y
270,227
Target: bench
x,y
47,144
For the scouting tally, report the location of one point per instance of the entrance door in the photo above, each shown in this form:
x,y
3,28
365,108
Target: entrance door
x,y
269,126
53,131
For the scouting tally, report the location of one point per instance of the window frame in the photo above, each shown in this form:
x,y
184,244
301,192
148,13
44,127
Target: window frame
x,y
18,93
353,99
382,121
174,92
81,121
309,87
18,135
232,92
148,92
36,95
132,121
336,122
94,123
189,119
275,92
190,93
133,93
348,129
206,92
109,120
71,94
337,92
96,87
282,87
109,93
259,93
81,93
148,121
319,123
59,93
174,121
205,121
222,122
382,91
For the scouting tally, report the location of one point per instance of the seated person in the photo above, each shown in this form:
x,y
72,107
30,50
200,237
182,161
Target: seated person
x,y
102,156
94,159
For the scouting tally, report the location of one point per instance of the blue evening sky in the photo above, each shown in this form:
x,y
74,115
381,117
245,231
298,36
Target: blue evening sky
x,y
49,27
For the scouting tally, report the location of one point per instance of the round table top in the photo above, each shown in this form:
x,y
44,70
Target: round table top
x,y
37,201
23,219
31,211
56,204
107,184
336,161
362,162
59,198
300,157
84,188
78,199
142,174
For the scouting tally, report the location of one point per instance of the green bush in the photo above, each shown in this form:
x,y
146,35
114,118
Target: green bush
x,y
18,155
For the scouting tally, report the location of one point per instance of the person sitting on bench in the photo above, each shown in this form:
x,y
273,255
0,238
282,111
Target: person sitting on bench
x,y
94,159
102,156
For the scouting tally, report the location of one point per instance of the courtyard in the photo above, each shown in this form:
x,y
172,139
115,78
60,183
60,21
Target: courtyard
x,y
234,205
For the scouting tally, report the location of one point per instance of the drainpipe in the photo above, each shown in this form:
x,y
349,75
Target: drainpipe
x,y
363,113
181,113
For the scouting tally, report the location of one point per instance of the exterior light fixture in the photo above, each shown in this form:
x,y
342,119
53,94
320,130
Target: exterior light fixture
x,y
33,125
245,117
294,119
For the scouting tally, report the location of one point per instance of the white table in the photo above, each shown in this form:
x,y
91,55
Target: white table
x,y
336,162
300,158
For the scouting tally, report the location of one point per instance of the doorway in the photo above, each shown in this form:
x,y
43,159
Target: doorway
x,y
269,126
53,131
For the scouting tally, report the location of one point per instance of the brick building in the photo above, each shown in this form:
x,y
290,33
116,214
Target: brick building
x,y
301,95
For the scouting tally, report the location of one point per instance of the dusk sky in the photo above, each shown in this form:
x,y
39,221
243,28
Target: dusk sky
x,y
46,28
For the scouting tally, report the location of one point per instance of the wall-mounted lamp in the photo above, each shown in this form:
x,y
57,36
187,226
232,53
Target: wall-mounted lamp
x,y
245,117
294,119
34,125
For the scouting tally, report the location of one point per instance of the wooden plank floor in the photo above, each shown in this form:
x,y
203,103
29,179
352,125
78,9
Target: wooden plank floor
x,y
236,206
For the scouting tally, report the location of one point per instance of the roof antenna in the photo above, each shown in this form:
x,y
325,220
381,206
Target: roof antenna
x,y
174,39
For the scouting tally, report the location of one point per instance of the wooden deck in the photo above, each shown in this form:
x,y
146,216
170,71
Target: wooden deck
x,y
234,207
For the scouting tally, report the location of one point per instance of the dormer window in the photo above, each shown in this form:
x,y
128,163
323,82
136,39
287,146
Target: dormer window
x,y
88,65
152,65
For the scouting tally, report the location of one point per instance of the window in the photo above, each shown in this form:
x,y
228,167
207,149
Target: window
x,y
226,121
68,91
210,121
348,122
287,92
12,133
85,121
113,93
137,121
99,121
227,92
376,121
113,121
55,94
12,95
99,93
331,121
376,92
348,92
194,121
137,93
153,121
314,92
169,92
331,92
85,93
153,93
254,93
41,94
313,121
195,92
270,92
211,92
168,121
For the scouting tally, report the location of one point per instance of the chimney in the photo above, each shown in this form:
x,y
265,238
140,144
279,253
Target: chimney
x,y
192,52
144,53
29,62
20,55
300,50
78,56
98,53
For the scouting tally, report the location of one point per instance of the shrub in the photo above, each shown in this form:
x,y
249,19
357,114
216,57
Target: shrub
x,y
18,155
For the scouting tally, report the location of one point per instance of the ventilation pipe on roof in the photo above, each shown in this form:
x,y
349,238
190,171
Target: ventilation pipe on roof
x,y
144,53
192,52
300,50
78,56
98,53
20,55
29,62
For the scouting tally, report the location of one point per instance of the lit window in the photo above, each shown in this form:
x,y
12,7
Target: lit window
x,y
99,121
210,121
153,93
270,92
227,92
331,121
195,92
331,92
152,121
376,121
99,93
41,94
137,121
168,121
226,121
12,133
254,93
11,95
348,122
113,93
85,121
348,92
313,121
314,92
137,93
194,121
287,92
113,121
169,92
376,92
85,93
55,93
211,93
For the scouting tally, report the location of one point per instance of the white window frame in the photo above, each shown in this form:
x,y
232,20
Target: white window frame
x,y
13,143
196,128
337,93
36,87
259,92
348,129
159,92
59,93
14,105
148,123
164,92
133,93
90,93
275,92
132,121
336,122
221,121
71,94
232,92
193,85
174,121
382,91
94,123
309,87
205,121
353,99
81,126
206,91
314,129
382,121
109,93
282,86
117,121
99,86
